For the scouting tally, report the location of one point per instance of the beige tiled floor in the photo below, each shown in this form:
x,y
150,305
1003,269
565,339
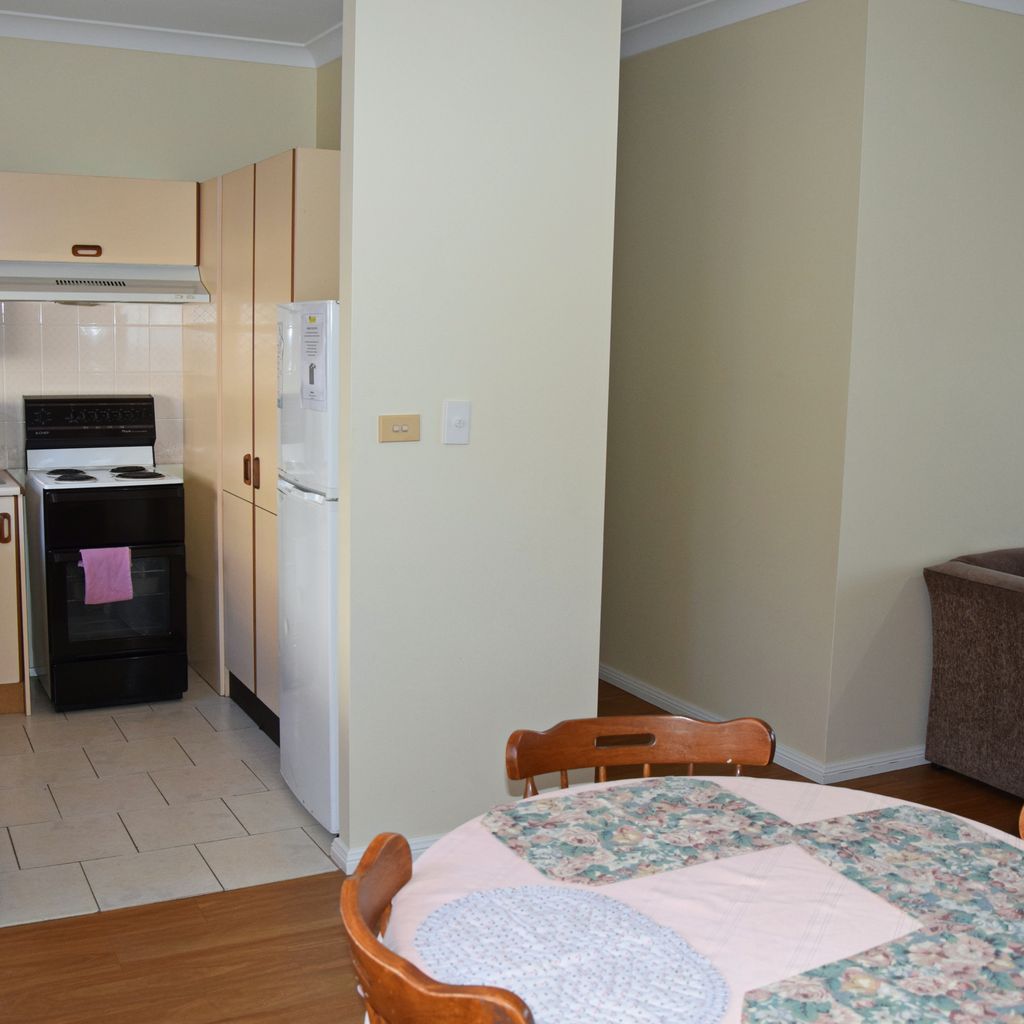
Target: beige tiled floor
x,y
120,806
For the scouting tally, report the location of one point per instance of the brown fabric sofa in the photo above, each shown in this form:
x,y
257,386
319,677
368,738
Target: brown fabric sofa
x,y
976,713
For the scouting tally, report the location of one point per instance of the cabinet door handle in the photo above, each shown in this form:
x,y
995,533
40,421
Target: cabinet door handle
x,y
6,533
87,250
247,470
256,472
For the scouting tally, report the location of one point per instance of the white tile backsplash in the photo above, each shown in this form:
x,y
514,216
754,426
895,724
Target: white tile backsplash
x,y
130,348
95,348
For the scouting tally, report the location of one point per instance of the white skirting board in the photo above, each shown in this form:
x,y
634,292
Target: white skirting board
x,y
794,760
347,859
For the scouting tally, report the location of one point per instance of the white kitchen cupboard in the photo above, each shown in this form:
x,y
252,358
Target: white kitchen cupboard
x,y
280,239
83,219
13,609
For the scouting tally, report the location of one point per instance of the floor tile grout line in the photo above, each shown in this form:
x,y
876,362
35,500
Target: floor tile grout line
x,y
14,849
53,799
124,825
89,759
28,736
156,786
266,788
92,891
223,887
185,752
231,811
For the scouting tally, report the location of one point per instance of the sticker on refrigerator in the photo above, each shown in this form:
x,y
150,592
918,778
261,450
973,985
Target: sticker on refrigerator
x,y
313,364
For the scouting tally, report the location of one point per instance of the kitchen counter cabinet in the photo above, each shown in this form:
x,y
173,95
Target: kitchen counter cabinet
x,y
13,605
51,217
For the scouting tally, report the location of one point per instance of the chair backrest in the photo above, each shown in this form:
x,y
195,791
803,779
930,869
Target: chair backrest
x,y
636,740
394,990
1020,823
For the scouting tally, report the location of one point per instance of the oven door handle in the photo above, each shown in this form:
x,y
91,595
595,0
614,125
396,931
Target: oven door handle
x,y
138,551
131,493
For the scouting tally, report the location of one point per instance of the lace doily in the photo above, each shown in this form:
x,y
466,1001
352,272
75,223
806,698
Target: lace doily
x,y
573,956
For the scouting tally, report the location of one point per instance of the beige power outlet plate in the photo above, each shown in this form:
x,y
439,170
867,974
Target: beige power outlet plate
x,y
398,428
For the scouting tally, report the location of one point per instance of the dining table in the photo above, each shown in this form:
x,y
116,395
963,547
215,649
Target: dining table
x,y
701,899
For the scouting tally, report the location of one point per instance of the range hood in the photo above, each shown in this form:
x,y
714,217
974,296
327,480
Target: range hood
x,y
100,282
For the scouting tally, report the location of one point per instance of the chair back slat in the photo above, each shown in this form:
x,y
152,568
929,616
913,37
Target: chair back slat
x,y
636,740
394,990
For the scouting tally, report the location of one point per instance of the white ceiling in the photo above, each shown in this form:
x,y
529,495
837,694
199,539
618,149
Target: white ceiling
x,y
307,33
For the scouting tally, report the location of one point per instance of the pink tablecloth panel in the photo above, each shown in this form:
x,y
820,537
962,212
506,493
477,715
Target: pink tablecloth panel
x,y
802,802
764,916
758,917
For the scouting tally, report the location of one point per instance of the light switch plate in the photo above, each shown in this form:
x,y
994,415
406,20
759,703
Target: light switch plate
x,y
455,422
405,427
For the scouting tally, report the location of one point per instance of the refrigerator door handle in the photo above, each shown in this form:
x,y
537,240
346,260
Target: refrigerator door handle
x,y
284,487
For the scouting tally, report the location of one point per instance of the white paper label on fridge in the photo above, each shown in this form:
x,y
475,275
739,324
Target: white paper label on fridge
x,y
313,365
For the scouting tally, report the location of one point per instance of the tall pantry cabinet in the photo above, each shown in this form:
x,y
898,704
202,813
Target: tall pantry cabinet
x,y
280,241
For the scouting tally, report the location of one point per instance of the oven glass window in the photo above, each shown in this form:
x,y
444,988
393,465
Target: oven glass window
x,y
148,614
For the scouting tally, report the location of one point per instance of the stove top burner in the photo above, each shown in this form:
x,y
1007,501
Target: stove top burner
x,y
72,476
129,469
58,472
137,474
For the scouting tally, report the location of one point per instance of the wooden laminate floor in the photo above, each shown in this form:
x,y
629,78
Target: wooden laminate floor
x,y
276,953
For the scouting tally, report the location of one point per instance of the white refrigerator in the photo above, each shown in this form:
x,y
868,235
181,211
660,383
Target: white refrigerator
x,y
307,527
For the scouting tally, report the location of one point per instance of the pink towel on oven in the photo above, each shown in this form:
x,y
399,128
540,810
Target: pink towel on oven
x,y
108,574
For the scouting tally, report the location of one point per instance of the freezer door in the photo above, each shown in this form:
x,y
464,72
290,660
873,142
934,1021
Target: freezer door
x,y
308,658
308,395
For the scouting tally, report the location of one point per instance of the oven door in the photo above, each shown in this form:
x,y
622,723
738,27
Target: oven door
x,y
153,620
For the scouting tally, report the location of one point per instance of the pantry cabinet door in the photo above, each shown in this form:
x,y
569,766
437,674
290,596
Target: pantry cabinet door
x,y
239,611
237,195
72,218
267,680
272,284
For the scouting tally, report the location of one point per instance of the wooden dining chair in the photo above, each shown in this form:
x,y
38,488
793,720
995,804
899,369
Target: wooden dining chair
x,y
393,989
1020,823
636,740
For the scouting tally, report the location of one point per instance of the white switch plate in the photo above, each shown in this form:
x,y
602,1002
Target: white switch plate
x,y
455,422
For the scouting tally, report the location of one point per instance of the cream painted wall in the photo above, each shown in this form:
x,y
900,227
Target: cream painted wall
x,y
477,247
734,261
935,414
328,105
93,110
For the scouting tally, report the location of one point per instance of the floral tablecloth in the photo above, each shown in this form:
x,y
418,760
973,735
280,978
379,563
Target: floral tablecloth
x,y
814,903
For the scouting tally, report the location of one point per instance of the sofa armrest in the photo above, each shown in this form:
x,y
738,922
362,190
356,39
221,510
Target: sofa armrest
x,y
976,574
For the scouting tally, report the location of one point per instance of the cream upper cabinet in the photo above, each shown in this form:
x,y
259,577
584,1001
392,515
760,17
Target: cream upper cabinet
x,y
81,219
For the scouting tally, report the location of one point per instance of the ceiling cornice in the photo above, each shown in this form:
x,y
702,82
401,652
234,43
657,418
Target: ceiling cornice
x,y
326,46
1010,6
320,50
694,17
